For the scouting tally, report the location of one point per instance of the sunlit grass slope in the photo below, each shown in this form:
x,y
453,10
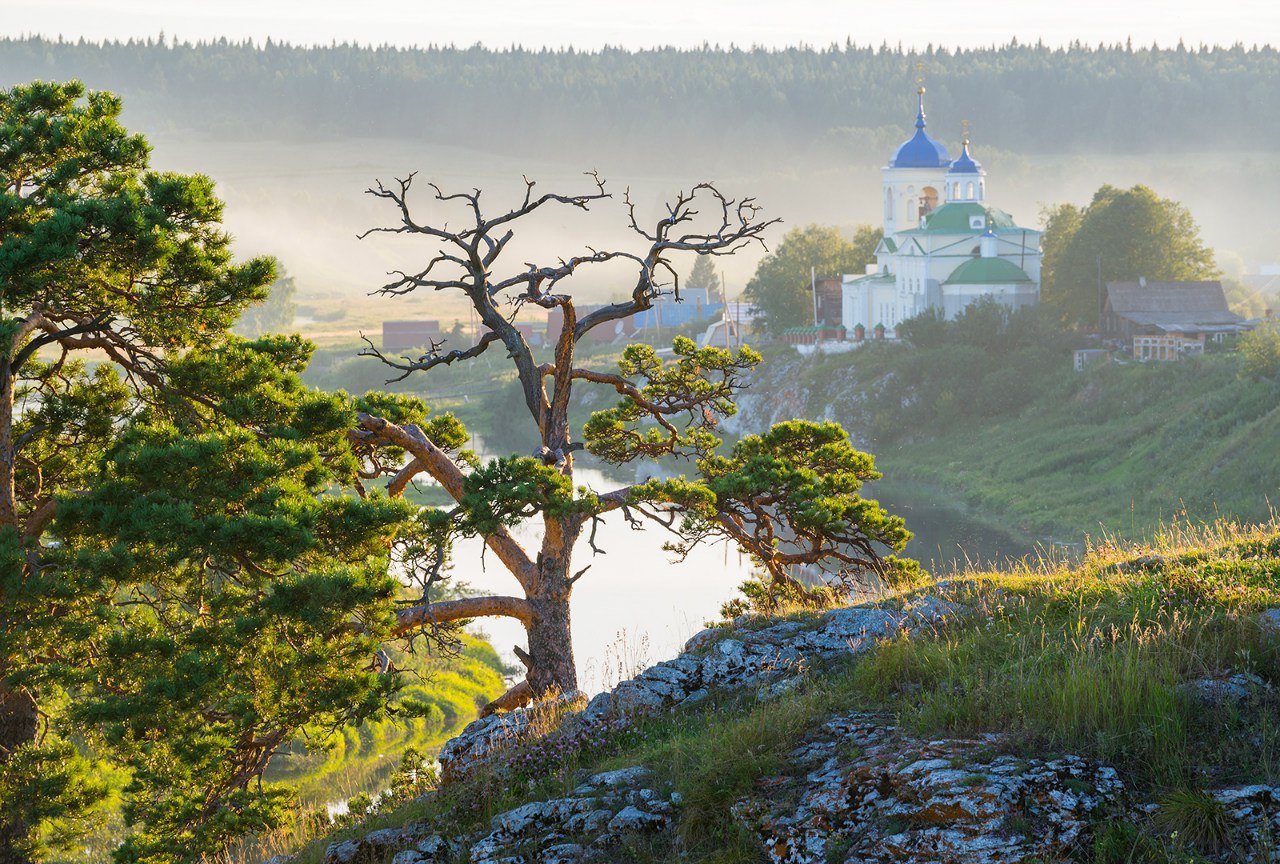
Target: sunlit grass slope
x,y
448,690
1118,449
1022,440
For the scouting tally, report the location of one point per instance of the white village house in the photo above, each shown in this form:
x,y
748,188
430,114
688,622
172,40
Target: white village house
x,y
944,246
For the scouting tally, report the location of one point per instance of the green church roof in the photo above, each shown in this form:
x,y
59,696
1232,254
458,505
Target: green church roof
x,y
988,271
954,218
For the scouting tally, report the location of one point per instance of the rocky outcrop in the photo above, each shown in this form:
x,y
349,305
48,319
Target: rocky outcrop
x,y
859,789
754,653
378,846
579,828
863,791
1238,688
718,659
484,738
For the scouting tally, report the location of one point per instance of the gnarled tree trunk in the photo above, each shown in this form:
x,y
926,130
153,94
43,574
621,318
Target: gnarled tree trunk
x,y
551,665
18,727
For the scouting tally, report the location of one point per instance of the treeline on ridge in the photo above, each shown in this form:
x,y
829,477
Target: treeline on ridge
x,y
1026,98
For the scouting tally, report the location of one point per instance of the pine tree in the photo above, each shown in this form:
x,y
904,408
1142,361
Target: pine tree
x,y
179,587
703,276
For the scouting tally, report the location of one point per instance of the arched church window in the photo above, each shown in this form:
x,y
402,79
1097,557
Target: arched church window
x,y
888,204
928,199
968,189
955,194
982,190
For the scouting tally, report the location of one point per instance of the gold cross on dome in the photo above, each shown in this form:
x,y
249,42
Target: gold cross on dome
x,y
964,133
920,76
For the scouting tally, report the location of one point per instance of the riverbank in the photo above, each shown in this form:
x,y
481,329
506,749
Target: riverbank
x,y
951,536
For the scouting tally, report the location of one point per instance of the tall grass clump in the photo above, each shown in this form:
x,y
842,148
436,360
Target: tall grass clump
x,y
1094,660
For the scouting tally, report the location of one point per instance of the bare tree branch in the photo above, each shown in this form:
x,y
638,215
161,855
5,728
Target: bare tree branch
x,y
429,360
413,617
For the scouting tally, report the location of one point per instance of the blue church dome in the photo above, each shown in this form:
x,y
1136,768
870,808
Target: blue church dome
x,y
965,163
920,151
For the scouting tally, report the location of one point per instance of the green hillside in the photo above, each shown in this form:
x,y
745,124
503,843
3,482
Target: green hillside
x,y
1011,433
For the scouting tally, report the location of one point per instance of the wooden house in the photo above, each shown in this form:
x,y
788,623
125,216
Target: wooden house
x,y
1167,320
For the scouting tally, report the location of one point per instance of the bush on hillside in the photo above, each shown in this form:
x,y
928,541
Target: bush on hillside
x,y
1260,351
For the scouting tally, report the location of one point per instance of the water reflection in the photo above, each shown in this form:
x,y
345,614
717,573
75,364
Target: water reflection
x,y
947,540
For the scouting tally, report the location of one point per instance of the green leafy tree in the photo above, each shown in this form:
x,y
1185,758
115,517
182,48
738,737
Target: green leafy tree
x,y
781,288
1061,222
928,329
273,315
788,497
1122,235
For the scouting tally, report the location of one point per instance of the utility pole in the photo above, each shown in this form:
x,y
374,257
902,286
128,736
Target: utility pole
x,y
813,286
724,305
1100,292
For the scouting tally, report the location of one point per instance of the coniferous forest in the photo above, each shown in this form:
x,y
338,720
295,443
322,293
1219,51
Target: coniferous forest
x,y
1033,98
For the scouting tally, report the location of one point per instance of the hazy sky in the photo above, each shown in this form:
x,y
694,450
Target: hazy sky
x,y
592,23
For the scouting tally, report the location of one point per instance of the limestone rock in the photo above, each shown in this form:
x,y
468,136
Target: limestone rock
x,y
870,793
703,638
482,738
341,853
569,829
779,688
632,818
1237,688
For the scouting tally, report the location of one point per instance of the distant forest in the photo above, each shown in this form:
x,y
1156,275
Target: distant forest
x,y
1029,98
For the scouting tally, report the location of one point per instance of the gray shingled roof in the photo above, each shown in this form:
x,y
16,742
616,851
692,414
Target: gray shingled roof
x,y
1171,304
1167,297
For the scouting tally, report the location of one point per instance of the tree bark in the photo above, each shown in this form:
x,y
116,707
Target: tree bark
x,y
8,458
18,717
445,611
551,666
18,726
551,647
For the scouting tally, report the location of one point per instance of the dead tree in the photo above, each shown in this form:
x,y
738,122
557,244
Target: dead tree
x,y
765,489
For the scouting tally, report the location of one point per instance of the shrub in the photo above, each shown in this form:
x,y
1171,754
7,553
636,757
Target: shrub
x,y
1260,351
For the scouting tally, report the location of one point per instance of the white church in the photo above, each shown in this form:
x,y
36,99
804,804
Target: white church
x,y
944,246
